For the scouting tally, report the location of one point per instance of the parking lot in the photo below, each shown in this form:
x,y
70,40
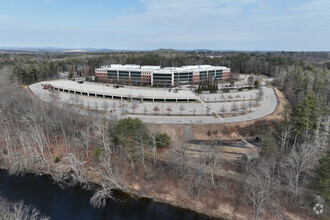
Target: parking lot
x,y
209,110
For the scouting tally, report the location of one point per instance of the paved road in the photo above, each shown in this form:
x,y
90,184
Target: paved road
x,y
267,107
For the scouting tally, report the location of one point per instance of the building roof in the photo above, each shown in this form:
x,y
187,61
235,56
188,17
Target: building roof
x,y
158,69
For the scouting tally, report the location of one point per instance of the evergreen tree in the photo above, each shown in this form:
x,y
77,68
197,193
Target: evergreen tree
x,y
305,114
324,175
268,144
298,79
256,84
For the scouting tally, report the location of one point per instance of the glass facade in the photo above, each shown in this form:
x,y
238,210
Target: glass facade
x,y
123,75
219,74
183,77
211,74
202,76
112,74
162,79
144,76
136,77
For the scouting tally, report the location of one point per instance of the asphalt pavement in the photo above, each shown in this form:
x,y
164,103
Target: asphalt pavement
x,y
67,101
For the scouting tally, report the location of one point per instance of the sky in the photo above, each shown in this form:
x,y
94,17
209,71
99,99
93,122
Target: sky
x,y
289,25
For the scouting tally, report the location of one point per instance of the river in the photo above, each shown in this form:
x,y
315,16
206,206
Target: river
x,y
73,203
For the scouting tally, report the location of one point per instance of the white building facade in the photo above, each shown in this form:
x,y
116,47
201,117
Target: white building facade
x,y
162,77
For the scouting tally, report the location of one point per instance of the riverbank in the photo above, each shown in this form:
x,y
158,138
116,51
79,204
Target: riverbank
x,y
203,205
133,191
73,202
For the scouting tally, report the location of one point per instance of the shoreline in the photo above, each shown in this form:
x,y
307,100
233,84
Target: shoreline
x,y
130,192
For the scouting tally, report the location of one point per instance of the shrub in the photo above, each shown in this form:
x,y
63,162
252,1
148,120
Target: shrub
x,y
256,84
162,140
57,159
97,152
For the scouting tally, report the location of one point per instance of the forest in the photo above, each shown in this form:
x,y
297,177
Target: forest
x,y
290,174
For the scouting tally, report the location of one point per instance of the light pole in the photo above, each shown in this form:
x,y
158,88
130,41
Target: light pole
x,y
131,92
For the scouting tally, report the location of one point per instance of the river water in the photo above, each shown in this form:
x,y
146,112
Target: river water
x,y
73,203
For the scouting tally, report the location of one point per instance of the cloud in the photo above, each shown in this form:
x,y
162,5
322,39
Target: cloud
x,y
6,19
188,24
173,14
224,20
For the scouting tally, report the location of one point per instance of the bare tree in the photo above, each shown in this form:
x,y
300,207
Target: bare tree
x,y
214,161
169,109
283,138
207,110
256,102
222,97
223,109
106,170
153,140
96,105
301,160
182,108
141,140
102,129
234,107
77,100
18,211
156,109
38,136
243,107
105,106
197,175
114,105
70,172
250,104
125,108
122,105
261,190
85,138
99,198
179,159
134,106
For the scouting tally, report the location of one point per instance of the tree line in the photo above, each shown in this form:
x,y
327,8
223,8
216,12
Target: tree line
x,y
290,173
31,67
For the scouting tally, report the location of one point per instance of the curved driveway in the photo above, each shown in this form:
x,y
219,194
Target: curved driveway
x,y
266,108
